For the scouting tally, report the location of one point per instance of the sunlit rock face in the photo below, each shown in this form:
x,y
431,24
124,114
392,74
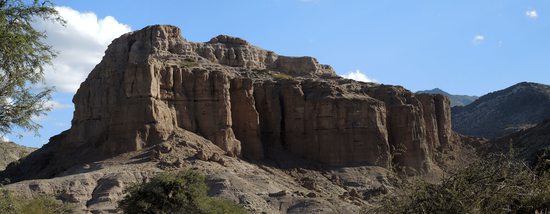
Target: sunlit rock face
x,y
153,85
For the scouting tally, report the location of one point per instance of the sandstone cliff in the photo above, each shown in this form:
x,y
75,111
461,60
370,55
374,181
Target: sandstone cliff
x,y
153,85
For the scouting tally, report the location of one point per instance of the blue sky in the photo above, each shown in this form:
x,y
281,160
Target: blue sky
x,y
464,47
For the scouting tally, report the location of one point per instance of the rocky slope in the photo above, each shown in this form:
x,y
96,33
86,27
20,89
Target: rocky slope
x,y
231,98
532,144
456,100
10,152
261,188
504,112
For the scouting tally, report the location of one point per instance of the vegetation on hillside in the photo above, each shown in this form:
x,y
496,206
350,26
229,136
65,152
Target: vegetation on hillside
x,y
281,76
189,62
497,184
10,204
181,192
10,152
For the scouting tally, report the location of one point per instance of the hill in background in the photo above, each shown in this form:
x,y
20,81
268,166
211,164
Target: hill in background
x,y
503,112
10,152
456,100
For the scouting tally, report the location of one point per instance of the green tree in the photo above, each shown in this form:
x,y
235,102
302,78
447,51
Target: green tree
x,y
23,56
182,192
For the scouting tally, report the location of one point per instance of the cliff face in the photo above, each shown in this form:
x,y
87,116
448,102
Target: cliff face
x,y
153,85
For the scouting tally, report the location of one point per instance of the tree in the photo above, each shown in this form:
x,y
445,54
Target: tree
x,y
23,56
182,192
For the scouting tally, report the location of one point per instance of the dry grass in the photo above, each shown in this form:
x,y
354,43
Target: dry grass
x,y
281,76
496,184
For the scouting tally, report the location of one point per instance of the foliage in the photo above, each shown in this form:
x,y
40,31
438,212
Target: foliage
x,y
281,76
44,204
182,192
189,62
23,56
498,184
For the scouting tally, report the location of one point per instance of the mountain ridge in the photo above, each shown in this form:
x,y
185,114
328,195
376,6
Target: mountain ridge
x,y
503,112
456,100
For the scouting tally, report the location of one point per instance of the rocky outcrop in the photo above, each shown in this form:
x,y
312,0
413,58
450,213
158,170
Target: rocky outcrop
x,y
153,85
504,112
418,126
97,187
246,120
309,119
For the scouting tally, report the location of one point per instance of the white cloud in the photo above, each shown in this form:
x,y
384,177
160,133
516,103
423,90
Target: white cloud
x,y
81,45
532,14
359,76
54,105
478,39
4,139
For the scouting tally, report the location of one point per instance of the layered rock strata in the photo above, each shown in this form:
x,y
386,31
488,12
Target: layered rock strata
x,y
153,85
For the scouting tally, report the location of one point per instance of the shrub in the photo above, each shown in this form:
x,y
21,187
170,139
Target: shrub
x,y
498,184
281,76
10,204
182,192
189,62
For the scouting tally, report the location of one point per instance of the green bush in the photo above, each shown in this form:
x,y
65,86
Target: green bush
x,y
189,62
281,76
498,184
182,192
10,204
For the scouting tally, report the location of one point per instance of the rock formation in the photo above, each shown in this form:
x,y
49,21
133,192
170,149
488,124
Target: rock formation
x,y
504,112
153,85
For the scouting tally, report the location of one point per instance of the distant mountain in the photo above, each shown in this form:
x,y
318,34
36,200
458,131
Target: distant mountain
x,y
10,152
503,112
456,100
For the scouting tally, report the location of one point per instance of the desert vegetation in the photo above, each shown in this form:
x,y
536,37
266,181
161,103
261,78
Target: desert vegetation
x,y
181,192
281,76
188,63
44,204
495,184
